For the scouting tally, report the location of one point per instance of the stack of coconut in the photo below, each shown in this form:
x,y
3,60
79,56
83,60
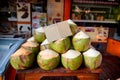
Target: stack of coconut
x,y
71,51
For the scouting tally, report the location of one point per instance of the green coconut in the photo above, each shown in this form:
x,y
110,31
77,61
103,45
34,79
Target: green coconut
x,y
44,45
81,41
33,46
22,59
72,59
48,59
61,45
73,26
39,35
92,58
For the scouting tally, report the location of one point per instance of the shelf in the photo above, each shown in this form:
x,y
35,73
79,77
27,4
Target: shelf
x,y
12,19
7,10
95,21
97,2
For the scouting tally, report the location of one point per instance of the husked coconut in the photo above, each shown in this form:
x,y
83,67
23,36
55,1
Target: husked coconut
x,y
81,41
33,46
61,45
73,26
72,59
44,45
39,35
92,58
48,59
31,39
22,59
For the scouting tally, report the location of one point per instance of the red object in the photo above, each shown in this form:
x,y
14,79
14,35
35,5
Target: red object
x,y
113,47
10,73
67,8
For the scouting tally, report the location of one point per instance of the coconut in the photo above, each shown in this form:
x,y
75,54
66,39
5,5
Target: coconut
x,y
72,59
39,35
73,26
61,45
44,45
81,41
48,59
33,46
92,58
22,59
31,39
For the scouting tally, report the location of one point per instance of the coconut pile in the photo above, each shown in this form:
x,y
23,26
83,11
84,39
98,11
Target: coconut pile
x,y
71,52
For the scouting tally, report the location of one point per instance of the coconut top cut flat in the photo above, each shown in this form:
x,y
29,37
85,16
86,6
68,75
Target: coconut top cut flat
x,y
39,29
30,44
21,51
71,54
91,52
81,35
71,22
31,39
48,54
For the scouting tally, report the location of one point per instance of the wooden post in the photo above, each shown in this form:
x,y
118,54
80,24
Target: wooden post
x,y
67,9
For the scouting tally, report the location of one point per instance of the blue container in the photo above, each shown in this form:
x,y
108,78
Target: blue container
x,y
7,47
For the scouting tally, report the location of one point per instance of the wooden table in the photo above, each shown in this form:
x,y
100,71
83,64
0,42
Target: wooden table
x,y
37,74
